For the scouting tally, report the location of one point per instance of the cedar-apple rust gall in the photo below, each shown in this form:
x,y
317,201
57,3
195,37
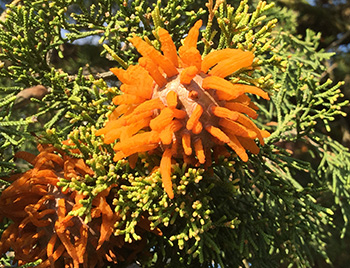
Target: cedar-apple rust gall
x,y
180,104
48,221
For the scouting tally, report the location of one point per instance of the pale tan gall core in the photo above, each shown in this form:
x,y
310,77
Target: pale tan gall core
x,y
189,96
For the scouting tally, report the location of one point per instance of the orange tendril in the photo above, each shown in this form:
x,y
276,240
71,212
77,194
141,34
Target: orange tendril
x,y
198,148
218,133
226,67
168,46
166,135
225,89
190,56
236,129
152,69
162,120
241,108
192,37
249,144
127,99
219,55
186,143
188,74
165,171
237,147
224,113
194,118
149,51
171,99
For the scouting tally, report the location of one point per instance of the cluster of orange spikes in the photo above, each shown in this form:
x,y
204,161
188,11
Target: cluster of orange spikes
x,y
42,227
183,105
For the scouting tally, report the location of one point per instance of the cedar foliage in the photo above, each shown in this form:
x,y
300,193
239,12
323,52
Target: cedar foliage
x,y
276,210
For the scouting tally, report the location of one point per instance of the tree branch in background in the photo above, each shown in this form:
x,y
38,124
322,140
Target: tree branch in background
x,y
37,92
